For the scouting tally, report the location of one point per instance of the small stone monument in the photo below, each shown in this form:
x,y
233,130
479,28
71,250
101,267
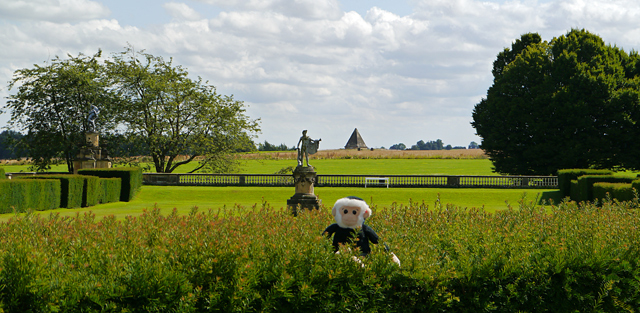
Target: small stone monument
x,y
91,155
305,177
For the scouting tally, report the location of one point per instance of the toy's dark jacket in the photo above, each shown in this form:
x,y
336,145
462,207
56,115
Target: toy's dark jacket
x,y
345,235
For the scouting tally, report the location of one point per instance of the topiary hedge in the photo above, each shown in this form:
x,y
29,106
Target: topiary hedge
x,y
3,175
38,194
585,185
109,190
131,179
76,190
618,191
567,175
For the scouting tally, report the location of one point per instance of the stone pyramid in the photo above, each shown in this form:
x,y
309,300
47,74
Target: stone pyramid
x,y
355,141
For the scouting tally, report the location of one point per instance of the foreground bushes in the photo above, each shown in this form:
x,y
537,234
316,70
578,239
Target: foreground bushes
x,y
559,259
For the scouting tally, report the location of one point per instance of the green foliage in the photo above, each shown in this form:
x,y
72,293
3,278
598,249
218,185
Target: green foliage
x,y
109,190
266,146
91,191
9,148
17,195
2,173
176,115
131,179
574,92
564,258
585,185
51,105
617,191
72,189
566,176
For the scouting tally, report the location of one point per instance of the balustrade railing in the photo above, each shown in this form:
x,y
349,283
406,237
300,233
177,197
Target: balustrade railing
x,y
403,181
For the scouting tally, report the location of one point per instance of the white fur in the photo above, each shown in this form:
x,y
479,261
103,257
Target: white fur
x,y
350,202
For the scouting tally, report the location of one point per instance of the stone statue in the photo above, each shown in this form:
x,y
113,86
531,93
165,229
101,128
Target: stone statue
x,y
93,115
309,146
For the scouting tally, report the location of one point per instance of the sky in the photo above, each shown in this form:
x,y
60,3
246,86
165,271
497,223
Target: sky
x,y
399,71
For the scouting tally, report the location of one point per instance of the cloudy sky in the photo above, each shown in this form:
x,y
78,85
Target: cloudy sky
x,y
398,70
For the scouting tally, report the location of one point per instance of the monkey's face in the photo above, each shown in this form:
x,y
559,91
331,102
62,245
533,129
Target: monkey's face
x,y
350,216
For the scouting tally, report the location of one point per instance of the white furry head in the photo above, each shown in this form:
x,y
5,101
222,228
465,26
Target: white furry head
x,y
350,221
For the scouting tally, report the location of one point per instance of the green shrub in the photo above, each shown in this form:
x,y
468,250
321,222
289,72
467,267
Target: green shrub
x,y
564,258
2,173
131,179
574,192
618,191
567,175
585,184
110,190
72,188
91,192
21,195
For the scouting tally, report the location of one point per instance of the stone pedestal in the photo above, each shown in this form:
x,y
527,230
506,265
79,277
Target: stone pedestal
x,y
304,198
91,155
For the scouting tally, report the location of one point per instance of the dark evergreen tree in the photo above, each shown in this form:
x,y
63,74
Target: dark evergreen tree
x,y
570,103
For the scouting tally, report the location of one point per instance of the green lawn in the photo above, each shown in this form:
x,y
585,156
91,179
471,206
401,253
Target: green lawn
x,y
185,198
347,166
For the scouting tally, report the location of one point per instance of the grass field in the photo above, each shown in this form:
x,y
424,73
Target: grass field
x,y
185,198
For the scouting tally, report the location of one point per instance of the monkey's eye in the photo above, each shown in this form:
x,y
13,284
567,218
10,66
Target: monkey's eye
x,y
355,212
346,211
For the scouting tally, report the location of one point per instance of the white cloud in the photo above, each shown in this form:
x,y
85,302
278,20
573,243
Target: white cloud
x,y
181,11
52,10
308,65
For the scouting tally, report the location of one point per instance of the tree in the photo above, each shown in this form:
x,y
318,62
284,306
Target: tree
x,y
180,119
51,104
398,146
570,103
266,146
9,149
474,145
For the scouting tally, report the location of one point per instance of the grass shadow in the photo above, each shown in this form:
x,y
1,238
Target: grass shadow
x,y
547,197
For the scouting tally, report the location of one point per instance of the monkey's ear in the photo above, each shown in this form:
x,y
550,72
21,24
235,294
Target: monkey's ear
x,y
333,211
366,214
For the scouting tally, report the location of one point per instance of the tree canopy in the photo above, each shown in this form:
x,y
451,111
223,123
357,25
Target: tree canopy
x,y
51,104
148,105
569,103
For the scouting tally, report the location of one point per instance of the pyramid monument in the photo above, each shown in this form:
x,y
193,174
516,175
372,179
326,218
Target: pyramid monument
x,y
355,141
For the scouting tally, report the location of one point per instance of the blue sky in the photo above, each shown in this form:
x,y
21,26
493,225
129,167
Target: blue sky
x,y
399,71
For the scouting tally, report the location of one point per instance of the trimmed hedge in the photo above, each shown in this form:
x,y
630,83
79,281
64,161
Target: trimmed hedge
x,y
74,189
585,185
2,173
92,191
36,194
109,190
618,191
131,179
567,175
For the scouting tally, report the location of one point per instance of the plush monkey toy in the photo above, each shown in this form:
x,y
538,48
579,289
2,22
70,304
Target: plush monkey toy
x,y
350,213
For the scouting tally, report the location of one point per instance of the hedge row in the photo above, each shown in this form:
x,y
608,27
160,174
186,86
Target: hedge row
x,y
131,179
2,173
618,191
566,176
38,195
74,191
584,186
109,190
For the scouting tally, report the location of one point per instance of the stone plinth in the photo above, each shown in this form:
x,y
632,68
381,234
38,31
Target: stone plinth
x,y
304,198
91,155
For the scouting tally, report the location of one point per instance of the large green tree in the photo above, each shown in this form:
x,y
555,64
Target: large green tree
x,y
51,105
573,102
180,120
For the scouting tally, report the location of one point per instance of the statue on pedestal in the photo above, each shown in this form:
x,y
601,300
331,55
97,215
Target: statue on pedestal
x,y
309,146
305,178
93,115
